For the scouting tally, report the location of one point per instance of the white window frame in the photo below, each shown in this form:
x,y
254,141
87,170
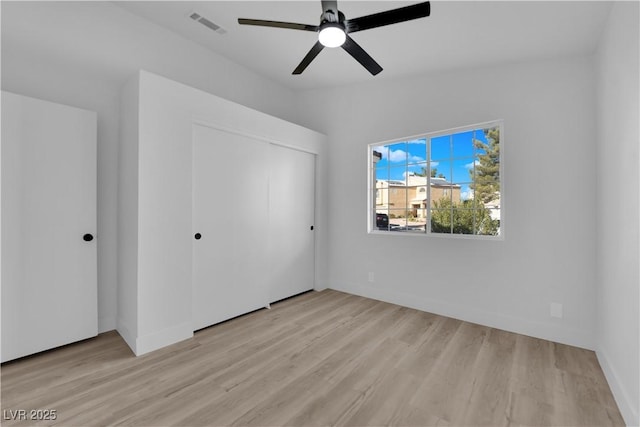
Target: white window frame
x,y
371,186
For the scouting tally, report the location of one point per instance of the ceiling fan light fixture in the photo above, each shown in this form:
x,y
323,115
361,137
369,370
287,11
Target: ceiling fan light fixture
x,y
332,35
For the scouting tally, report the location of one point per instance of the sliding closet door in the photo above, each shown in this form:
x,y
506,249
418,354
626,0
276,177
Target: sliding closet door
x,y
291,222
230,225
49,273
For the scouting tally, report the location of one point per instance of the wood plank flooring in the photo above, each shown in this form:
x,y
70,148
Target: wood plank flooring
x,y
322,358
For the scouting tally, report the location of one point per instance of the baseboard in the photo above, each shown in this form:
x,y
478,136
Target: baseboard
x,y
320,287
569,336
625,404
127,335
155,340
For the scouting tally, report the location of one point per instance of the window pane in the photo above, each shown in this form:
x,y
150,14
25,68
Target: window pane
x,y
418,194
487,159
417,216
441,196
398,174
463,169
417,151
382,174
397,219
441,169
464,221
441,147
487,222
397,154
418,169
480,141
466,193
463,144
441,220
381,219
485,190
494,214
397,197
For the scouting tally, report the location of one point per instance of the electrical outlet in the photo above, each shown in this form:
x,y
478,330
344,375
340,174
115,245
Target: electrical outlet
x,y
371,277
555,310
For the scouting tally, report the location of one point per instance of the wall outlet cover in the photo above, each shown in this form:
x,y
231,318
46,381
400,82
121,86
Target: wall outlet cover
x,y
556,310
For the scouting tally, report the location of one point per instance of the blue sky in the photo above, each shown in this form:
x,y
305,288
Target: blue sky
x,y
452,155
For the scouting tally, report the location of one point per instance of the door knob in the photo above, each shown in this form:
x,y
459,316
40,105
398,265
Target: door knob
x,y
198,236
87,237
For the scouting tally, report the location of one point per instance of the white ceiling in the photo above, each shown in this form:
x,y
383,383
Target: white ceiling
x,y
456,35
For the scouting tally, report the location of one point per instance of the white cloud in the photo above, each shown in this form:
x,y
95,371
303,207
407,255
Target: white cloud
x,y
396,156
418,141
466,195
403,156
470,165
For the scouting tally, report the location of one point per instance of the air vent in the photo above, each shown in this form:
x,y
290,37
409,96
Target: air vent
x,y
207,23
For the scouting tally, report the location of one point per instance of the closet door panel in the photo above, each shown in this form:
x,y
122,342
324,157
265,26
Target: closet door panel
x,y
230,208
291,218
49,270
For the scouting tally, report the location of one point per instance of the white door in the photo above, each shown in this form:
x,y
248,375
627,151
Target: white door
x,y
230,225
49,273
291,217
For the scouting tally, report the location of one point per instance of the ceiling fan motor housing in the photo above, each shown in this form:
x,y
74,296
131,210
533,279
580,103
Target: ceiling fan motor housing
x,y
331,15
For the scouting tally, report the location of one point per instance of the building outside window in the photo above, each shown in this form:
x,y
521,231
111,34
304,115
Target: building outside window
x,y
445,183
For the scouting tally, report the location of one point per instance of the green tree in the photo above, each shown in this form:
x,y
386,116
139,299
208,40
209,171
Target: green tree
x,y
466,217
485,176
423,172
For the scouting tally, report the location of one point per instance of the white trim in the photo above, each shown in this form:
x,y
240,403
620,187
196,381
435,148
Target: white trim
x,y
242,132
627,409
158,339
127,335
438,235
546,331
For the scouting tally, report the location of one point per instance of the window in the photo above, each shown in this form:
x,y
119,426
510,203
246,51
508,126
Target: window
x,y
441,183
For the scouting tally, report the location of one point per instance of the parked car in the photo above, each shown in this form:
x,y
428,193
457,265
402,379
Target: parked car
x,y
382,221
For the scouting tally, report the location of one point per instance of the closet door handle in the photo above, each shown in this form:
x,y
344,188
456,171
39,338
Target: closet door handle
x,y
198,236
87,237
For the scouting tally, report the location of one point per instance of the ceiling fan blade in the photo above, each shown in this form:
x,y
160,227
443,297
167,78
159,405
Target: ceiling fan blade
x,y
315,50
361,56
277,24
388,17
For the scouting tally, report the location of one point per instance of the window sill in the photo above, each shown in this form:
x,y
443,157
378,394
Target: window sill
x,y
498,238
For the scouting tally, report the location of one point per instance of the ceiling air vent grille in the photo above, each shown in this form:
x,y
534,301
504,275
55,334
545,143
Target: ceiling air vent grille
x,y
207,23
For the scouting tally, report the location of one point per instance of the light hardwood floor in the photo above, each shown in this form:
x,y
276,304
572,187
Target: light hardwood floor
x,y
321,358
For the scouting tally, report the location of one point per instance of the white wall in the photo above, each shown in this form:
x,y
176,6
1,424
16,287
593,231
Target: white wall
x,y
81,53
127,243
618,254
548,253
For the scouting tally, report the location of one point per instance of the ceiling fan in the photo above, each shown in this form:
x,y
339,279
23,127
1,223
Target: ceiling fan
x,y
334,30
